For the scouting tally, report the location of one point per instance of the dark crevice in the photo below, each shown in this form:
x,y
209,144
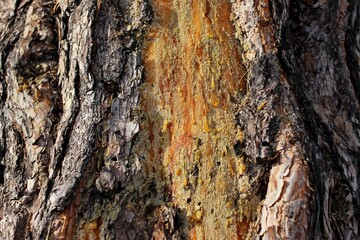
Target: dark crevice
x,y
60,153
20,148
65,30
59,156
239,148
21,226
306,110
77,85
2,172
74,5
352,46
325,160
12,32
287,49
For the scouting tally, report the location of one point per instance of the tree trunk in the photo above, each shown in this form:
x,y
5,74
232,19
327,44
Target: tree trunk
x,y
179,119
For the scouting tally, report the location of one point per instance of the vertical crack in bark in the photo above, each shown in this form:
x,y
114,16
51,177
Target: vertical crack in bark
x,y
66,126
353,45
73,147
332,140
271,115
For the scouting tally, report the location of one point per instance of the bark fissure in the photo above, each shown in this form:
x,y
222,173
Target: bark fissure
x,y
327,155
353,45
64,131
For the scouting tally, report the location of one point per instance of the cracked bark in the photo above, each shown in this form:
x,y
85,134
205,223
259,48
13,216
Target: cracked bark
x,y
169,119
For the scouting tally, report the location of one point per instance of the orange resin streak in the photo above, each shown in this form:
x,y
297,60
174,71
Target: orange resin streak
x,y
193,72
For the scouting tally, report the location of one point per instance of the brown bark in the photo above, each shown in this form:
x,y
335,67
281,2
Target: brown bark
x,y
170,119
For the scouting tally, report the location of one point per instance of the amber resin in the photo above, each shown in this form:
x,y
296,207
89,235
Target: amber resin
x,y
193,80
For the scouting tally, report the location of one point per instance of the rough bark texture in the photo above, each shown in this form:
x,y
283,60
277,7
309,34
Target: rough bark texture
x,y
179,119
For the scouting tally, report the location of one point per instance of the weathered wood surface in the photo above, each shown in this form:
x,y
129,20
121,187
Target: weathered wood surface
x,y
171,119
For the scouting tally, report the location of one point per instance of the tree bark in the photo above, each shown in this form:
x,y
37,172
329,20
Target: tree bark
x,y
179,119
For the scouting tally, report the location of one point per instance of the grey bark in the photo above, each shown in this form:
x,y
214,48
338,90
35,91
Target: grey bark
x,y
70,74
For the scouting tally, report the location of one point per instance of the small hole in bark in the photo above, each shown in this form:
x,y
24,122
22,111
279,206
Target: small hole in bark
x,y
195,172
188,200
218,163
265,144
149,209
114,159
238,148
212,210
